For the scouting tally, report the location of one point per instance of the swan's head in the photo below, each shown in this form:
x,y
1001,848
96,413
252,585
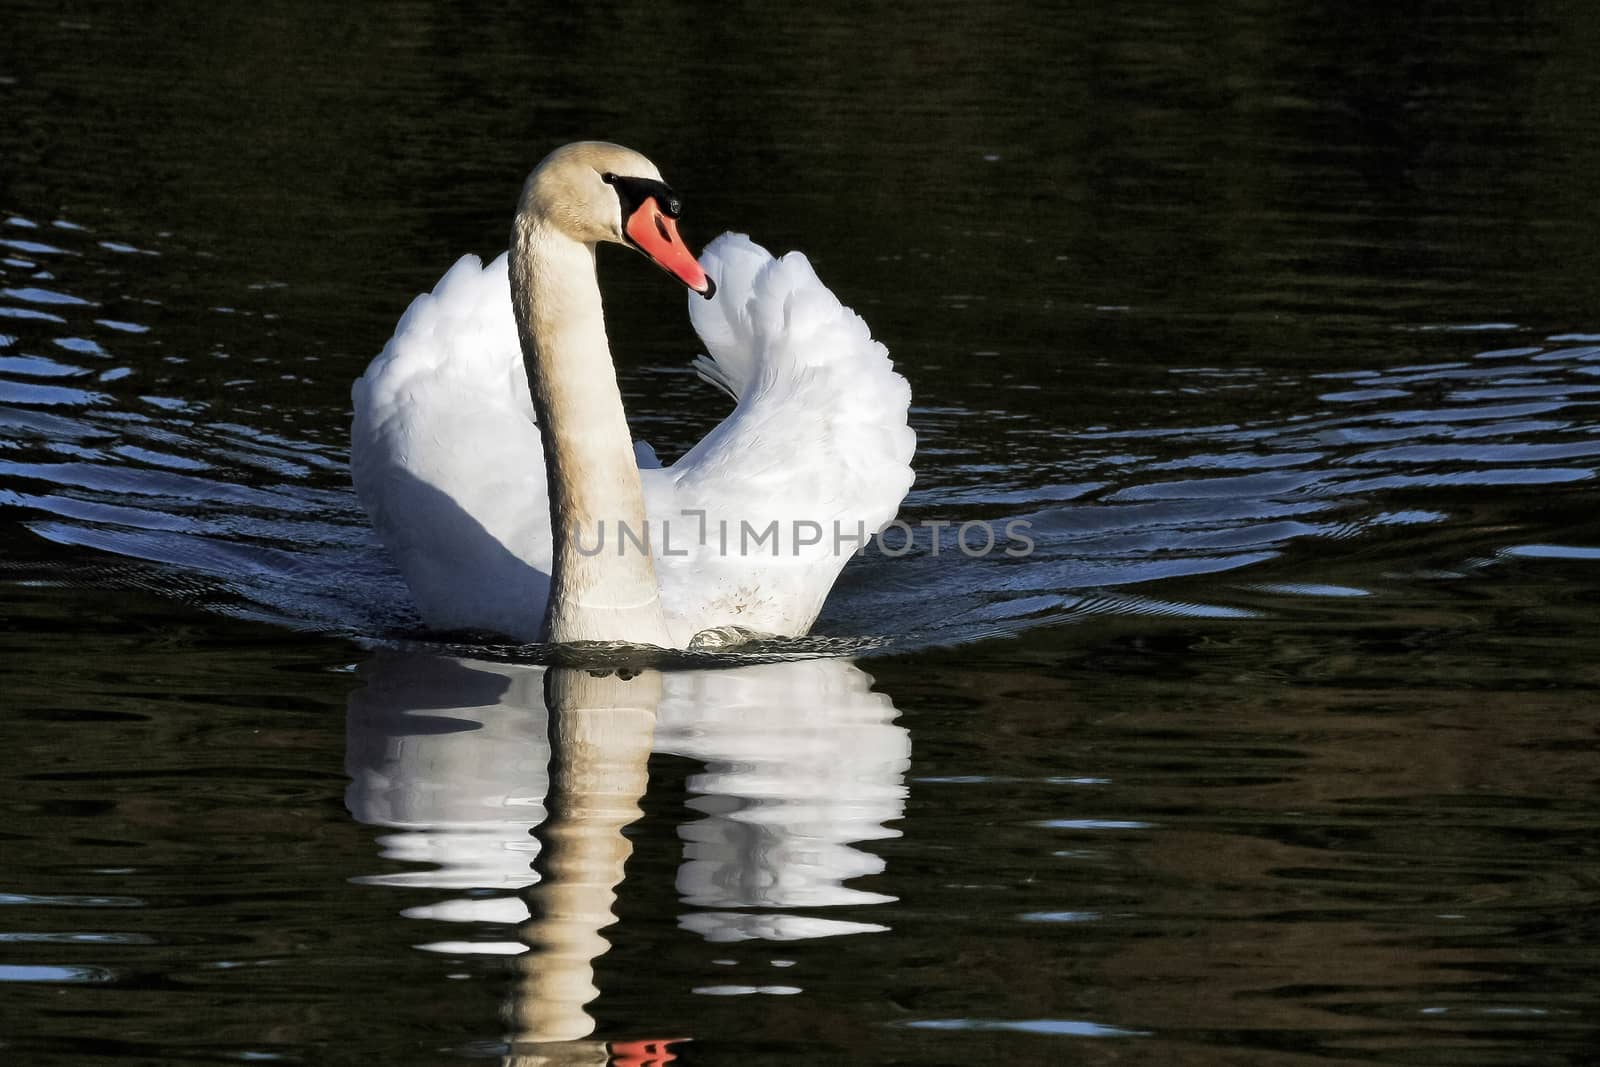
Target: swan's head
x,y
593,191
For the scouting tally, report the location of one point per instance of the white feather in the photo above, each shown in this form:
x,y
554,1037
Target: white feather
x,y
447,459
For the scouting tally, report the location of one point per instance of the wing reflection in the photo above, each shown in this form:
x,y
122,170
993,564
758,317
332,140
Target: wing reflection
x,y
454,755
501,777
802,760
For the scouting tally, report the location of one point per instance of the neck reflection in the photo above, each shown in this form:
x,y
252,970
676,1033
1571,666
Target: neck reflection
x,y
515,785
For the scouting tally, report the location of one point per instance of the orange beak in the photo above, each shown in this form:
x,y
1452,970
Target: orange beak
x,y
651,1052
656,235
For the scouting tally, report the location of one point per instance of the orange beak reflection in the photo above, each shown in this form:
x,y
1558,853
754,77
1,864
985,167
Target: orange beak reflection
x,y
656,235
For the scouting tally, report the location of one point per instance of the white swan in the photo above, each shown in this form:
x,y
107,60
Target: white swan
x,y
460,465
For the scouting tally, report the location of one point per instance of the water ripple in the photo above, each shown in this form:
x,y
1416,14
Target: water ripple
x,y
267,525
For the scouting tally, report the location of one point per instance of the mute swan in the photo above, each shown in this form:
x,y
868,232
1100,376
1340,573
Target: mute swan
x,y
466,472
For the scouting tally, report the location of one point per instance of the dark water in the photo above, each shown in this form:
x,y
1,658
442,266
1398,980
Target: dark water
x,y
1280,325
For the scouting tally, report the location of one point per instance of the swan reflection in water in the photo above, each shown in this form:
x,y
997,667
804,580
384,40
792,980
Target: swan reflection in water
x,y
514,778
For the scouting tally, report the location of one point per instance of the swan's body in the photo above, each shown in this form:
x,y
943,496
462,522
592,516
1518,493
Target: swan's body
x,y
461,465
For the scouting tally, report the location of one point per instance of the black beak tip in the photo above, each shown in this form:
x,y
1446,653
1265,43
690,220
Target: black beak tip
x,y
710,289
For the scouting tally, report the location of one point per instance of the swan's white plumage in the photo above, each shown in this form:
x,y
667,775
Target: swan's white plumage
x,y
818,436
448,462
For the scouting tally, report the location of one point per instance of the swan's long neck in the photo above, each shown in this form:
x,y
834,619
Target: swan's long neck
x,y
603,582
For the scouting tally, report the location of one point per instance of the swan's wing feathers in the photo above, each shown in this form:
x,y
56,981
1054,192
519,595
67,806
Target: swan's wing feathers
x,y
734,262
714,373
447,394
645,456
818,440
461,334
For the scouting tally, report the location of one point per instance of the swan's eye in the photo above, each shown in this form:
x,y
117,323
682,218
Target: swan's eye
x,y
608,177
673,207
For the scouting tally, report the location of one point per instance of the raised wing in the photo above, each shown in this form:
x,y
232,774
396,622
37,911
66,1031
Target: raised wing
x,y
757,520
447,461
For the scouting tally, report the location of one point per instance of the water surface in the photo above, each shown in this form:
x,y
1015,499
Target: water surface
x,y
1279,328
